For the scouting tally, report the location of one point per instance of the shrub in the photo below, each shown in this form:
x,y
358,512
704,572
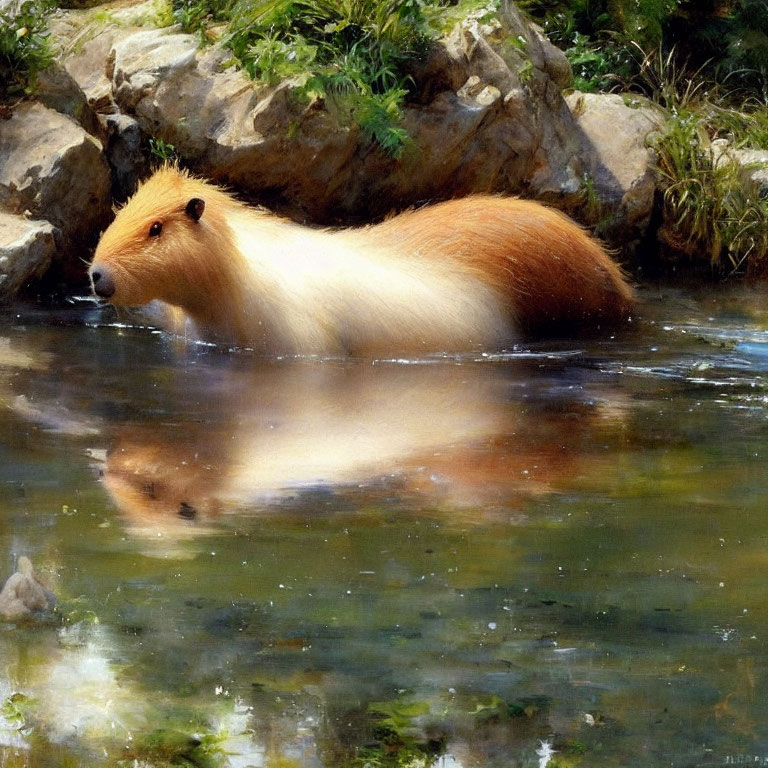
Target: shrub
x,y
730,37
727,38
600,37
24,47
694,60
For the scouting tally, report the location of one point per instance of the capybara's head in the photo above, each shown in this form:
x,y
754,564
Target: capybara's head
x,y
159,485
161,243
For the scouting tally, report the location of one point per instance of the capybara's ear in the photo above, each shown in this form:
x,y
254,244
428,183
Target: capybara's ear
x,y
195,208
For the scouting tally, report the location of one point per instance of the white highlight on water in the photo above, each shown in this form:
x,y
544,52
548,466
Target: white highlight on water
x,y
544,753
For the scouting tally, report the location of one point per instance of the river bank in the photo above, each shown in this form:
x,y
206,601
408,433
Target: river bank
x,y
486,106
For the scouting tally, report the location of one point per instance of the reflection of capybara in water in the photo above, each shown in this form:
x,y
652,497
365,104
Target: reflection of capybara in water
x,y
447,437
276,429
451,276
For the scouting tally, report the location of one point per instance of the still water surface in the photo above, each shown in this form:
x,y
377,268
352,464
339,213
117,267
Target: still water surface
x,y
553,557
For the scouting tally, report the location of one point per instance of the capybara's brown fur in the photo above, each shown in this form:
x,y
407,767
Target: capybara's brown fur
x,y
463,274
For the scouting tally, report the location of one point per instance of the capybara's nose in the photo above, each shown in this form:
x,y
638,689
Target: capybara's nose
x,y
103,284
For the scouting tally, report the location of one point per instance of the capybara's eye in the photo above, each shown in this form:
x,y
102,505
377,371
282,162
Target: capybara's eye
x,y
156,229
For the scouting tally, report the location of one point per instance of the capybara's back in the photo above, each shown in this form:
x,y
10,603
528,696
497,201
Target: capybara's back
x,y
554,275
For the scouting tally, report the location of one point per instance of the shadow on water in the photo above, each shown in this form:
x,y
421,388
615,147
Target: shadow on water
x,y
554,556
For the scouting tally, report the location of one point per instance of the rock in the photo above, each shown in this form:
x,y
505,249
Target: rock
x,y
51,169
26,250
88,67
752,163
537,152
754,170
141,62
487,122
58,90
619,163
534,44
124,155
24,593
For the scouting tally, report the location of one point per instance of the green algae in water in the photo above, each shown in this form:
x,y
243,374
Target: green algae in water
x,y
175,748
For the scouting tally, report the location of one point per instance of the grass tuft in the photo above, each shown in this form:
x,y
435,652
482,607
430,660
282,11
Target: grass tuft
x,y
707,210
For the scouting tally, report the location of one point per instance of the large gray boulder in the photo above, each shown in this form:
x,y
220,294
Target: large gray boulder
x,y
53,170
620,166
142,62
59,91
88,68
26,250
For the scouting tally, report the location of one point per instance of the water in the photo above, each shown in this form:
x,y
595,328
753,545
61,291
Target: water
x,y
553,557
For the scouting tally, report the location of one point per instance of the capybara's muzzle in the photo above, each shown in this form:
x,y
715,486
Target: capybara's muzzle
x,y
103,284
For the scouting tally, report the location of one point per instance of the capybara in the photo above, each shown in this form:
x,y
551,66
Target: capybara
x,y
470,273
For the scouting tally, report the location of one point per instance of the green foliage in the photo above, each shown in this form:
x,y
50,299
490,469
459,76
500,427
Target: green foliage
x,y
155,13
640,21
591,208
727,38
747,38
270,59
397,742
195,15
706,208
24,47
379,116
687,58
730,37
745,126
79,4
708,212
664,81
15,710
441,16
168,747
354,53
599,36
597,67
496,708
162,150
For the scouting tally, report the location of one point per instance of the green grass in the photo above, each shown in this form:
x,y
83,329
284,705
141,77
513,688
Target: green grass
x,y
24,48
745,125
197,15
442,17
708,214
668,82
597,37
353,53
163,748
